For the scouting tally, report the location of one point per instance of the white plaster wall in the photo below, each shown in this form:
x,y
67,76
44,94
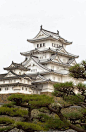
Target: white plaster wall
x,y
54,66
53,77
25,81
19,72
48,88
43,56
34,68
41,42
64,59
48,43
15,89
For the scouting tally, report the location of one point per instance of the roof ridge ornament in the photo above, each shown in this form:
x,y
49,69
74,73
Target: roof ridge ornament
x,y
58,32
41,27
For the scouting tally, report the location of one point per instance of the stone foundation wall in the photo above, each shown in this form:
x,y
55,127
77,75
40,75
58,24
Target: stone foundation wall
x,y
3,98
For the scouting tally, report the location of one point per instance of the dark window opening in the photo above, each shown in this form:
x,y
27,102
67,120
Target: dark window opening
x,y
26,89
37,45
43,44
40,45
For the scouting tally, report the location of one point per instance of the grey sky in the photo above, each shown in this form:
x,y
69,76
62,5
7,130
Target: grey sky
x,y
21,19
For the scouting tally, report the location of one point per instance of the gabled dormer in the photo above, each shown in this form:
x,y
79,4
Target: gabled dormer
x,y
17,68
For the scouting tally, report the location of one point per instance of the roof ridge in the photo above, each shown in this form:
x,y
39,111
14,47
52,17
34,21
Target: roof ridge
x,y
49,31
41,65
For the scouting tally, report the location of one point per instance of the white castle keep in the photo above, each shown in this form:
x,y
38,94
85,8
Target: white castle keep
x,y
45,65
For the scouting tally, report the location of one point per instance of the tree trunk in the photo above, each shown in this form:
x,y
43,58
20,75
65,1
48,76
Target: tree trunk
x,y
29,114
62,118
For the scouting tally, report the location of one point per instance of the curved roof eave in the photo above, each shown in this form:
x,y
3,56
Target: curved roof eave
x,y
49,38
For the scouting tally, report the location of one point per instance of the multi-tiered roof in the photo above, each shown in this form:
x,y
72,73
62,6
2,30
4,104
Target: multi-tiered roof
x,y
48,35
39,70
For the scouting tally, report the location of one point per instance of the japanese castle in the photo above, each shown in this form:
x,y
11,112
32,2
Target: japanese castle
x,y
45,65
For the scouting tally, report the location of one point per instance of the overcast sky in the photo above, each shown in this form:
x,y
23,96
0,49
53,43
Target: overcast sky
x,y
21,19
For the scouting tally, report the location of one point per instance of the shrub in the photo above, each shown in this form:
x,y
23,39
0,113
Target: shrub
x,y
6,120
12,111
6,129
29,127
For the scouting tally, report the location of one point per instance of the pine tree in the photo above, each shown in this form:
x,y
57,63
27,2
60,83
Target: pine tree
x,y
78,70
21,106
67,100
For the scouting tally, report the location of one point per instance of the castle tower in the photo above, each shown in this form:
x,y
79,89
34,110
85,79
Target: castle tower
x,y
45,65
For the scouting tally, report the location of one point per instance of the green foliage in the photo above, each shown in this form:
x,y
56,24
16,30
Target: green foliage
x,y
43,121
6,129
81,86
73,115
56,124
10,105
83,63
6,120
34,101
83,111
49,122
68,85
62,89
44,110
43,117
77,71
74,99
13,111
29,127
57,93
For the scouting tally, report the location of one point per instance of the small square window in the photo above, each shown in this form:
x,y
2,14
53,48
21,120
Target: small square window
x,y
6,88
40,45
37,45
26,89
43,44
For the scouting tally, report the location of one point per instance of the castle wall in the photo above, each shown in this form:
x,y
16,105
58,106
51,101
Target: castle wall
x,y
47,87
15,89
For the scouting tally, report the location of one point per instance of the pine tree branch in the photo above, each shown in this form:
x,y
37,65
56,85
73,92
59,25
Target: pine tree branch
x,y
62,118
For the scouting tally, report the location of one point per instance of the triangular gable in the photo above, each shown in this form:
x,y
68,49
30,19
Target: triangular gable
x,y
62,50
11,66
9,74
40,78
57,59
34,65
73,63
29,64
41,34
